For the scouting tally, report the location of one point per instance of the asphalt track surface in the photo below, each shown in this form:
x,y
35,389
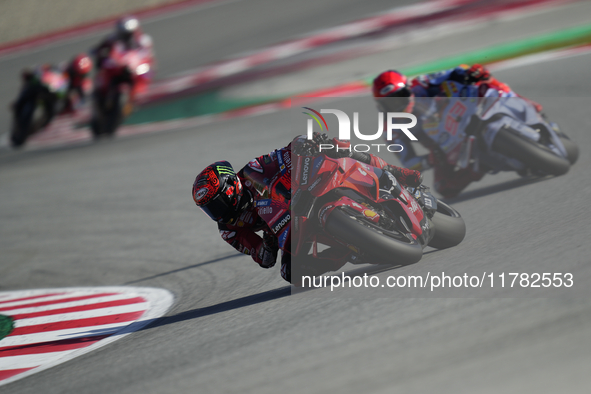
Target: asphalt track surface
x,y
119,212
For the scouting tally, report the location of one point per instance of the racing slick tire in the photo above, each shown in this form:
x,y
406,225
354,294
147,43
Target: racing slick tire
x,y
572,149
113,115
450,228
535,156
95,127
22,125
376,244
18,137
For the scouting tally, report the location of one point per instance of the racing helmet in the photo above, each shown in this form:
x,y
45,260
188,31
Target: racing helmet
x,y
217,190
126,27
81,65
392,84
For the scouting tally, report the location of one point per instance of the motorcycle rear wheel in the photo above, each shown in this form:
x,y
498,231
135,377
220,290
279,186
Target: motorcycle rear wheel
x,y
450,228
376,244
113,115
107,113
535,156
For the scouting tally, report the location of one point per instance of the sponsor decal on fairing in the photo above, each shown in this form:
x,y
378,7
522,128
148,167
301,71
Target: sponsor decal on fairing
x,y
305,171
281,223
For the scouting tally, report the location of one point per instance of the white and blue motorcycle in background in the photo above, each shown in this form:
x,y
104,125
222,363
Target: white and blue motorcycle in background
x,y
494,133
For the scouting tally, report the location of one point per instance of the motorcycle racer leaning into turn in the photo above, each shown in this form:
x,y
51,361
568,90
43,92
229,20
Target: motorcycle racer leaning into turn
x,y
449,182
228,198
128,33
60,88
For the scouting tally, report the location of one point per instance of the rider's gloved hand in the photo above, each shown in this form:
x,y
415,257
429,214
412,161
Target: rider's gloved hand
x,y
340,149
405,176
268,252
305,147
477,73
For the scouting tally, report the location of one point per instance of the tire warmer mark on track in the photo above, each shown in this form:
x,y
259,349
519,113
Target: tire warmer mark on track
x,y
52,326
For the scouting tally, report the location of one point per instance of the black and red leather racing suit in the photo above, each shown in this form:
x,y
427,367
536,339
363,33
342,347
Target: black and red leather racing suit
x,y
242,234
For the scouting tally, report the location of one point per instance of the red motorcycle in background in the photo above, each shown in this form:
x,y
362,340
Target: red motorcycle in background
x,y
121,77
338,203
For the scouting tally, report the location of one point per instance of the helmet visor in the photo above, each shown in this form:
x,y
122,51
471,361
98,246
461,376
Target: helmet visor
x,y
396,101
394,104
220,209
402,92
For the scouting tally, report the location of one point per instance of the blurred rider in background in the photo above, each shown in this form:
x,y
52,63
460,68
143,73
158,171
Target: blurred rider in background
x,y
128,33
59,88
79,83
448,181
228,198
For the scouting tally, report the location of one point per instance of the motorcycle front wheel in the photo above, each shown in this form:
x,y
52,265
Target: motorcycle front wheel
x,y
533,155
450,228
21,128
376,244
572,149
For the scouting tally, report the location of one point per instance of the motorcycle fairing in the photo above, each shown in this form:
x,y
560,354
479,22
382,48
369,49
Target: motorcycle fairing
x,y
347,173
448,121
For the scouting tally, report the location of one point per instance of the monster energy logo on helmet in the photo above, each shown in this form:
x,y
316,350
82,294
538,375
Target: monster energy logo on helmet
x,y
225,170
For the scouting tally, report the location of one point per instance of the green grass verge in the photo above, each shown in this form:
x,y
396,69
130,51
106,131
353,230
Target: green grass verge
x,y
6,326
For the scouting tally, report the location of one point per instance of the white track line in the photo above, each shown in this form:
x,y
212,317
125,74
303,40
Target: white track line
x,y
31,360
59,335
89,301
81,315
54,298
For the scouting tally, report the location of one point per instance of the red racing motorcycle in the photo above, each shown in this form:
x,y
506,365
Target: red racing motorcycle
x,y
122,76
340,204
